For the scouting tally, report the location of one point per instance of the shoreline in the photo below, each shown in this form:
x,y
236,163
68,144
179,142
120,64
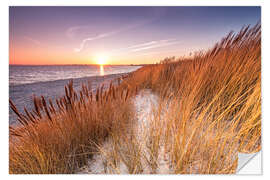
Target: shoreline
x,y
81,79
22,94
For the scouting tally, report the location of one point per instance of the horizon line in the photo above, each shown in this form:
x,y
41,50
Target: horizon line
x,y
80,64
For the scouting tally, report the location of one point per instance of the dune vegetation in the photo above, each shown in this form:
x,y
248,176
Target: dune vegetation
x,y
208,110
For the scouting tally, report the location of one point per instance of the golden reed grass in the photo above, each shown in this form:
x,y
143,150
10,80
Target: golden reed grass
x,y
60,139
213,105
209,110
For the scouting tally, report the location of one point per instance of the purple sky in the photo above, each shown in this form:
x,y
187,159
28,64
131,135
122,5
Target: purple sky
x,y
118,35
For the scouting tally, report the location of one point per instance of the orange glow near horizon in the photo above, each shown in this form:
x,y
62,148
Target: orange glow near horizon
x,y
101,59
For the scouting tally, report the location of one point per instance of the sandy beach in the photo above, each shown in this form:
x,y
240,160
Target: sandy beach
x,y
22,95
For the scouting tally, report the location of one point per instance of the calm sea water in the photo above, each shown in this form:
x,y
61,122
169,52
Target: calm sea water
x,y
32,74
49,81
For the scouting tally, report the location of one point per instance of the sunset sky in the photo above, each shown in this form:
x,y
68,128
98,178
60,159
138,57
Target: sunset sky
x,y
118,35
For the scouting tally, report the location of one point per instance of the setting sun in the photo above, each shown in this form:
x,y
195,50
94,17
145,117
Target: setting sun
x,y
101,59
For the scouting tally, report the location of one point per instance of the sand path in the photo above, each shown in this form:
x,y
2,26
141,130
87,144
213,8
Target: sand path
x,y
144,103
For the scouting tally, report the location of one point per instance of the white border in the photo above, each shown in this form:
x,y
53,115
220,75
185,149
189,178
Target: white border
x,y
4,69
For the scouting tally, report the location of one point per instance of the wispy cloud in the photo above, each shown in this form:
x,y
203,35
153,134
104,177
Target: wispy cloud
x,y
99,36
34,41
158,44
146,46
130,48
73,31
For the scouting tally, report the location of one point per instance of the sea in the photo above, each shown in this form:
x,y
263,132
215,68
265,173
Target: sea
x,y
49,81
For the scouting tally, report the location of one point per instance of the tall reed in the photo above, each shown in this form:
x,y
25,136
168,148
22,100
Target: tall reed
x,y
212,103
60,137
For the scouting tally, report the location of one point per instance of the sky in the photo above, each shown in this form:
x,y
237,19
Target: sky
x,y
118,35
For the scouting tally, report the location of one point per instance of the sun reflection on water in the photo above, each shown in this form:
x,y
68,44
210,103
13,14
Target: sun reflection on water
x,y
101,70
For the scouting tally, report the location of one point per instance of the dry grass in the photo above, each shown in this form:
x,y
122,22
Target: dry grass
x,y
209,109
61,139
212,105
